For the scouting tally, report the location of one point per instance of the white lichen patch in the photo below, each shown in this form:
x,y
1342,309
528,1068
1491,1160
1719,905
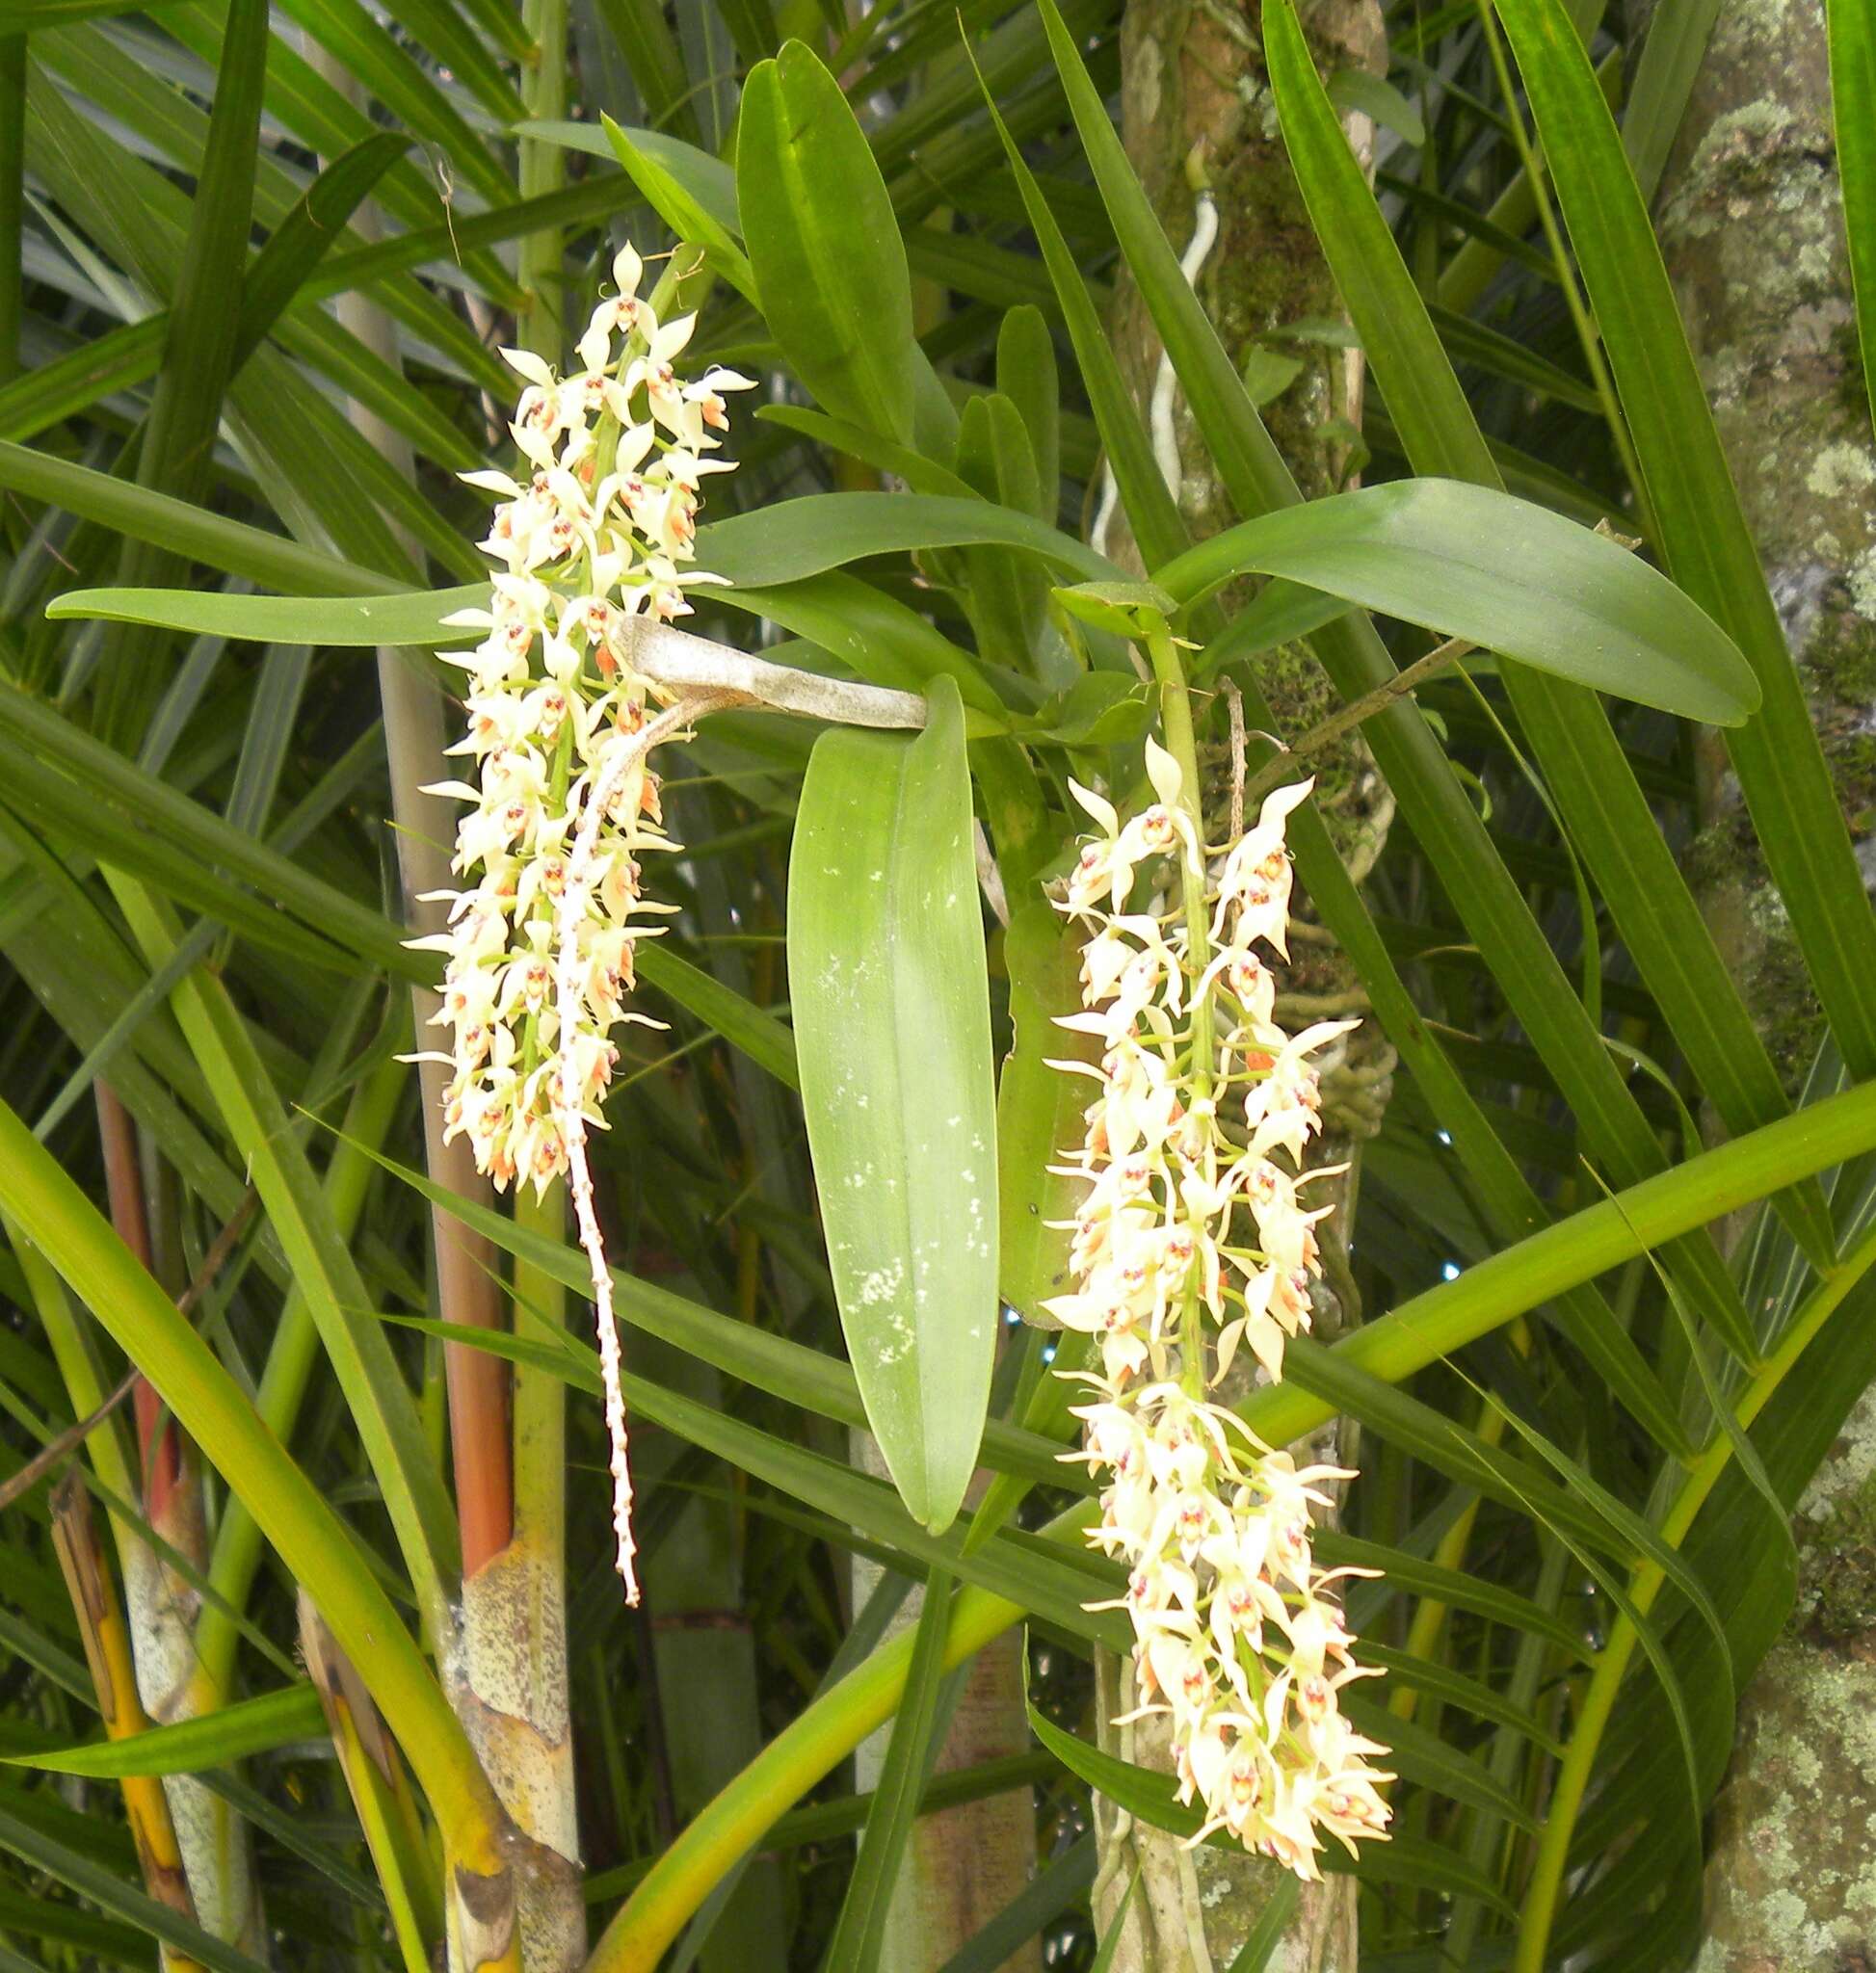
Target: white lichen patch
x,y
1840,468
1862,584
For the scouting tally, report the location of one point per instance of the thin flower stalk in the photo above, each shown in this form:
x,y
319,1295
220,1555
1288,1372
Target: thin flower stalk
x,y
539,949
1192,1240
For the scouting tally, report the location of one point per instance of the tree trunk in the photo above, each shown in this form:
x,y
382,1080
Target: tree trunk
x,y
1196,110
1750,221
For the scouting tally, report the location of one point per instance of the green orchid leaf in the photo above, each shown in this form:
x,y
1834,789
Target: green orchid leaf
x,y
824,243
886,977
1473,563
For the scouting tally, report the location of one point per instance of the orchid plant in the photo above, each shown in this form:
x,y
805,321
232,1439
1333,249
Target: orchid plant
x,y
1039,571
1239,1637
560,726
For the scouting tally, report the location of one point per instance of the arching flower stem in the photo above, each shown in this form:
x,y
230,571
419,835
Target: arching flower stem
x,y
1175,719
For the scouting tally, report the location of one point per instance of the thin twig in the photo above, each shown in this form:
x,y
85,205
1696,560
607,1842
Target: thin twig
x,y
1364,708
56,1450
1234,707
219,1247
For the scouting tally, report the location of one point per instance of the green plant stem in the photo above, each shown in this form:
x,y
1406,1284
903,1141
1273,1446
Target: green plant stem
x,y
78,1367
540,1425
1419,1333
543,172
541,1397
1175,716
1325,734
1612,1663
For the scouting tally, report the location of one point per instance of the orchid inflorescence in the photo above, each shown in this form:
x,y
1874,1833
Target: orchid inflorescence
x,y
1239,1639
540,949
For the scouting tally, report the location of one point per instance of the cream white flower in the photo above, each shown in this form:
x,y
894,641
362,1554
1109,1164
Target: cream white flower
x,y
597,528
1239,1639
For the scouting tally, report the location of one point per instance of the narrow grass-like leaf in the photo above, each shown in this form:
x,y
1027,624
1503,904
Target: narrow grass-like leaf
x,y
1110,1946
198,354
1853,111
654,58
886,959
369,51
1663,81
841,434
1606,809
1063,1883
380,1402
681,211
300,241
1705,539
1273,1921
229,546
26,1840
859,1930
1149,508
819,1822
247,1726
68,1230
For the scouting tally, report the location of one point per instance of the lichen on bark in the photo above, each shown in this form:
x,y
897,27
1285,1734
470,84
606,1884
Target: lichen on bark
x,y
1751,222
1791,1881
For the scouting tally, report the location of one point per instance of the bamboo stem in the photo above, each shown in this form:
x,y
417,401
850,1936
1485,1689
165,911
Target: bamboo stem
x,y
479,1843
107,1651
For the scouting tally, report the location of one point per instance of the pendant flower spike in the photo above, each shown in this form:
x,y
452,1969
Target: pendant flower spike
x,y
540,948
1239,1638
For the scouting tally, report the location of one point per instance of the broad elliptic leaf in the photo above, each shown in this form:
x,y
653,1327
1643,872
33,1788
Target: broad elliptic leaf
x,y
893,1029
829,261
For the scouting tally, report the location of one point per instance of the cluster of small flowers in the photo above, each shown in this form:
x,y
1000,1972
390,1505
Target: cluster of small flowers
x,y
1238,1639
560,724
599,534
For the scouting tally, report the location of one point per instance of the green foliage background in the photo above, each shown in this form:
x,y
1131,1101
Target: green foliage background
x,y
1613,1248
